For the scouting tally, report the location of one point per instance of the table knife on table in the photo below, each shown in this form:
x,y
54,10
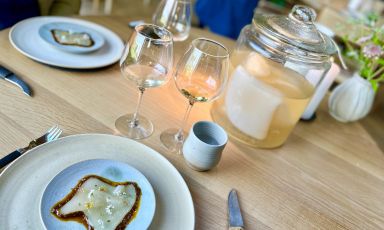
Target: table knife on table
x,y
234,214
12,78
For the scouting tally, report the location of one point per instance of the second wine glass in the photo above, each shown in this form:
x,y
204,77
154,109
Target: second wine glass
x,y
200,76
147,61
175,15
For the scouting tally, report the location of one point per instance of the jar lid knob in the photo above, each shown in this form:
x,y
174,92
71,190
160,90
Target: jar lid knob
x,y
303,13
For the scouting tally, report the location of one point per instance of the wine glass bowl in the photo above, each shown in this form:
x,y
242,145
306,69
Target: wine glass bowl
x,y
147,57
175,15
201,75
147,60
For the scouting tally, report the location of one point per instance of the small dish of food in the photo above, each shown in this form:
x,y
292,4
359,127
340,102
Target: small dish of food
x,y
71,37
98,194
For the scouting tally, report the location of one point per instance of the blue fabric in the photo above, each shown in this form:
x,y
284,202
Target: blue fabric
x,y
12,11
225,17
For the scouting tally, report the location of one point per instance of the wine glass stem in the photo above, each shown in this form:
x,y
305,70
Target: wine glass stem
x,y
135,122
179,134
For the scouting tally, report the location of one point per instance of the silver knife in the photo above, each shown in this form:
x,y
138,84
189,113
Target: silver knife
x,y
12,78
234,213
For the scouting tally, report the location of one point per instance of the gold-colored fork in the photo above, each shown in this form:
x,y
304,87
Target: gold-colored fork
x,y
51,135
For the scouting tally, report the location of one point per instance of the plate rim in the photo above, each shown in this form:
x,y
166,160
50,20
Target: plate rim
x,y
47,62
157,154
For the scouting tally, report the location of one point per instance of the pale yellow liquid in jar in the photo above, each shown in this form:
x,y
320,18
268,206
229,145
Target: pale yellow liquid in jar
x,y
276,102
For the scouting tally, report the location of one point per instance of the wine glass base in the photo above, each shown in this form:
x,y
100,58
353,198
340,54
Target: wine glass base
x,y
171,142
143,128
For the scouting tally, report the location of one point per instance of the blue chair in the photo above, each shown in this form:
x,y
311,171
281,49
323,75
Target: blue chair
x,y
225,17
12,11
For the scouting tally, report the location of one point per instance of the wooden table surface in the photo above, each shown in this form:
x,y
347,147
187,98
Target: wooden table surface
x,y
328,175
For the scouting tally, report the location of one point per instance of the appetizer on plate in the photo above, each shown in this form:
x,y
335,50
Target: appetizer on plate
x,y
99,203
72,37
65,37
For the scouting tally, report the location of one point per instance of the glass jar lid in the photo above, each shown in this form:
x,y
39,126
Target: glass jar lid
x,y
295,30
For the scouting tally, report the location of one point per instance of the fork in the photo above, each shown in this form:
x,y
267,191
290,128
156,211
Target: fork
x,y
51,135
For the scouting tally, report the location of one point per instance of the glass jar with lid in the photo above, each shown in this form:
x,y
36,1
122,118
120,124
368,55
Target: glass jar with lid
x,y
275,68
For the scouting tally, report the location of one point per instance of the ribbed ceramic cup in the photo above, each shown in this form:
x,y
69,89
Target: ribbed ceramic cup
x,y
203,147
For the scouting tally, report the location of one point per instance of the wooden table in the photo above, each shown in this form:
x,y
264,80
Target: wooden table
x,y
328,175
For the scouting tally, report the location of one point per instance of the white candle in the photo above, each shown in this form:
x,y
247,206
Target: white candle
x,y
320,92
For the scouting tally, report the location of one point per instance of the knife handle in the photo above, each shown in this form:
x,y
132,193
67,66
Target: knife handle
x,y
236,228
9,158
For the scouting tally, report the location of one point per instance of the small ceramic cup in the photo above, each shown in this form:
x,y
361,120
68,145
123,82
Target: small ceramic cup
x,y
203,147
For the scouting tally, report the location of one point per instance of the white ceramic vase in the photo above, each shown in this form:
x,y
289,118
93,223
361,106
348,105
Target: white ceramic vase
x,y
351,100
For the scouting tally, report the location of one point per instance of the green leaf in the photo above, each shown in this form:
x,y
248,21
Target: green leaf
x,y
364,72
376,40
380,61
375,85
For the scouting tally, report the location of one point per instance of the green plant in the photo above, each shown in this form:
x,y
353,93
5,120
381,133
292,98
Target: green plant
x,y
368,51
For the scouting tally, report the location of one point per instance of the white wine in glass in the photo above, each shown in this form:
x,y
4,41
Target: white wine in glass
x,y
146,61
147,76
200,76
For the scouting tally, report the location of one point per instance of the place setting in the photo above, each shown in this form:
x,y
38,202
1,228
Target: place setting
x,y
66,42
266,146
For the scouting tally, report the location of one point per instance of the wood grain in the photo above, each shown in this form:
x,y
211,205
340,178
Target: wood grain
x,y
328,175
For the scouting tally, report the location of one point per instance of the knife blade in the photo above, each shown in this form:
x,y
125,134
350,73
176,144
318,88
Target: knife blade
x,y
234,213
12,78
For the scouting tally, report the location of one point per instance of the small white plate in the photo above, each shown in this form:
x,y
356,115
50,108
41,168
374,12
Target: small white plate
x,y
116,171
45,32
24,36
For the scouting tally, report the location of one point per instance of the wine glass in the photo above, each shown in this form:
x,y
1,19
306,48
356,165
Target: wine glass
x,y
201,75
175,15
147,61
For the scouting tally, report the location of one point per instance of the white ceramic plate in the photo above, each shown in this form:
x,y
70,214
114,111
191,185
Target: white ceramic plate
x,y
116,171
23,182
45,32
25,37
